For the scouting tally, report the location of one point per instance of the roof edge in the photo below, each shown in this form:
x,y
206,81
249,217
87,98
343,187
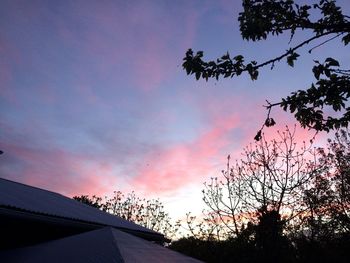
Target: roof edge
x,y
54,219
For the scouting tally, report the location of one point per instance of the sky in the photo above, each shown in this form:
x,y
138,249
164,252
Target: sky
x,y
93,98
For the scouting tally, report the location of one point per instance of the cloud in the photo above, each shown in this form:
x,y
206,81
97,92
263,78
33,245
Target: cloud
x,y
134,42
9,55
170,168
98,100
230,124
30,159
57,170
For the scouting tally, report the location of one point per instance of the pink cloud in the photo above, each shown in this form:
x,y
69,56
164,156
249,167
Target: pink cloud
x,y
58,170
174,167
230,130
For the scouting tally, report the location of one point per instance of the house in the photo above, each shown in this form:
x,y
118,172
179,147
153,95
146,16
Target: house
x,y
42,226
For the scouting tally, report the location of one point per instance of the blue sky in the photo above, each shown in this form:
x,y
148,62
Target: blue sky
x,y
93,97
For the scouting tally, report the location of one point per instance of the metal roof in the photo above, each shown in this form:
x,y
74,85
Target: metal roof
x,y
134,249
102,245
35,200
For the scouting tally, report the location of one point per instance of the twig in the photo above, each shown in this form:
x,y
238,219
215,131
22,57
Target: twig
x,y
324,42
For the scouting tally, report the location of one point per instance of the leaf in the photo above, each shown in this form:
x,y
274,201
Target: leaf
x,y
226,56
332,62
336,107
199,54
188,70
317,71
290,61
198,75
189,53
292,107
227,74
269,122
291,58
254,75
327,72
205,75
346,39
258,136
239,57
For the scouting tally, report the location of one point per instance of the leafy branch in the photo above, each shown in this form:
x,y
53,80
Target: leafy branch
x,y
261,18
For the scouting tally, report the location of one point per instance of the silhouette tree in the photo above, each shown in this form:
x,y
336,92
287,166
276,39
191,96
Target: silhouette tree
x,y
280,203
270,177
147,213
261,18
207,227
271,243
93,201
327,197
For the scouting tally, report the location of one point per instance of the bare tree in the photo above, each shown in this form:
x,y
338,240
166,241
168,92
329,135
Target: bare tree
x,y
206,227
269,177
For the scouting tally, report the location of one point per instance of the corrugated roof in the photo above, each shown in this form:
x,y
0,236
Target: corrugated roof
x,y
102,245
36,200
134,249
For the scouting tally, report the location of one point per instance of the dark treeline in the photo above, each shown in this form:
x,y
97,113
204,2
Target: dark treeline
x,y
279,203
239,250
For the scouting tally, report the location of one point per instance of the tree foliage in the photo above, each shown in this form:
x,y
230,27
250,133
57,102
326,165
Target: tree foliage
x,y
93,201
262,18
327,197
148,213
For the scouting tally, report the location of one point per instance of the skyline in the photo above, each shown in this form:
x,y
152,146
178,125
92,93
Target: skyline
x,y
94,99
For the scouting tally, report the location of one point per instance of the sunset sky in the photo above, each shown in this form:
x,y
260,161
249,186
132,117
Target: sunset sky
x,y
93,97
